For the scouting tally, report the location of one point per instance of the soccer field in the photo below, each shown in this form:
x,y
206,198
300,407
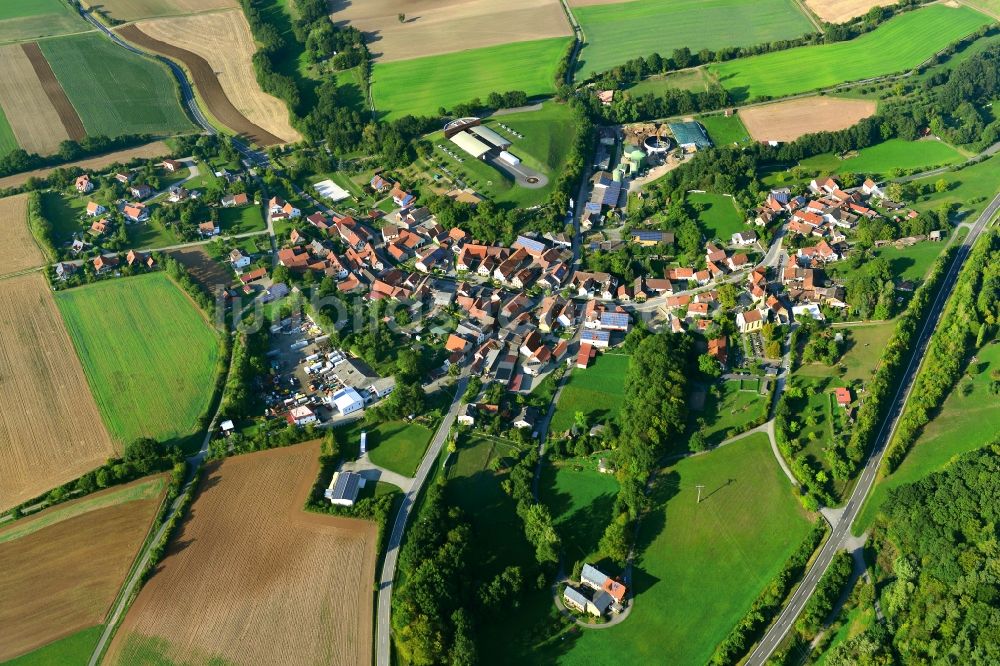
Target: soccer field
x,y
148,353
895,46
618,32
115,92
420,86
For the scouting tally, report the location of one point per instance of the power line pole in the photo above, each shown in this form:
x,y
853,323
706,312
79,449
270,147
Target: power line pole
x,y
699,487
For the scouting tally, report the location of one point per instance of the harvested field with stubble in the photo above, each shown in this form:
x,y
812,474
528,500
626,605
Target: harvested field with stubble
x,y
133,10
445,26
787,121
34,120
50,429
54,92
839,11
146,151
253,579
217,49
18,251
61,569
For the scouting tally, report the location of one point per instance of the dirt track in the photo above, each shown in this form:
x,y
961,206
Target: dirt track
x,y
253,579
18,249
50,429
787,121
145,151
57,96
62,578
207,84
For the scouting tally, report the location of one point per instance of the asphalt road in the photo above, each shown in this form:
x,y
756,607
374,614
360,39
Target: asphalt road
x,y
841,531
383,628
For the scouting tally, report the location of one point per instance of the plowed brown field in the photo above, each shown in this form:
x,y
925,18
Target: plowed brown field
x,y
50,430
18,249
433,27
217,49
63,577
787,121
32,117
145,151
205,270
838,11
253,579
53,90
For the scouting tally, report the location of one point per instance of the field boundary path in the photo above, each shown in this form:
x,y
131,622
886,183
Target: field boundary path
x,y
383,626
841,533
125,595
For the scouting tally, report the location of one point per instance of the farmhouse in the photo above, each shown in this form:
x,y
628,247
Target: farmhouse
x,y
343,488
208,229
744,238
172,165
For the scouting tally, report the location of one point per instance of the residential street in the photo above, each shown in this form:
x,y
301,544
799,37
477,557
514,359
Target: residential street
x,y
842,530
383,627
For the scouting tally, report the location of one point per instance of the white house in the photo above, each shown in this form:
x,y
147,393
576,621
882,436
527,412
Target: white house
x,y
751,320
347,401
238,259
744,238
301,415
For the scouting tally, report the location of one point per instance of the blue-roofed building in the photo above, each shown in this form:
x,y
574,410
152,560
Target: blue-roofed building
x,y
599,339
530,245
343,489
614,321
690,135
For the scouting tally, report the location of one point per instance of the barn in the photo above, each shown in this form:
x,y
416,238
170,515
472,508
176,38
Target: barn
x,y
690,135
343,488
471,144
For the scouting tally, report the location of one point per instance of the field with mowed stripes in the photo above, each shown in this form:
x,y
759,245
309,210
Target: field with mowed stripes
x,y
148,352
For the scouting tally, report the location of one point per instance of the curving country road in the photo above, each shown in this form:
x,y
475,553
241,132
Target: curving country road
x,y
842,529
383,628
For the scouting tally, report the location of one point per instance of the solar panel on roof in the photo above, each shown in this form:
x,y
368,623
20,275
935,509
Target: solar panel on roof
x,y
614,318
600,336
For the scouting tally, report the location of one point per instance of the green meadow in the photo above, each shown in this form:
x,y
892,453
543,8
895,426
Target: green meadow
x,y
699,566
969,419
115,92
734,407
23,20
884,158
73,649
619,32
895,46
421,86
725,131
8,141
969,188
148,353
598,392
581,500
395,445
719,217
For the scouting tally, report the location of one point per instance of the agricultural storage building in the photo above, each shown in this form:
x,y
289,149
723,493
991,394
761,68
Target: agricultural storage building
x,y
490,137
470,144
347,401
343,489
690,136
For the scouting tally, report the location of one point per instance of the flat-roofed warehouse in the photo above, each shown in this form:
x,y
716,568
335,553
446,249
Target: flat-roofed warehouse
x,y
471,145
489,136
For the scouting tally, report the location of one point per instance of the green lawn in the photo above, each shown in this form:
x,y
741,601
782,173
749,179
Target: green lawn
x,y
148,353
897,45
8,141
966,421
619,32
906,263
66,214
74,649
145,489
241,220
725,131
970,188
699,566
497,533
146,235
720,219
734,408
581,500
597,391
22,20
548,136
114,91
865,346
396,445
422,85
881,159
